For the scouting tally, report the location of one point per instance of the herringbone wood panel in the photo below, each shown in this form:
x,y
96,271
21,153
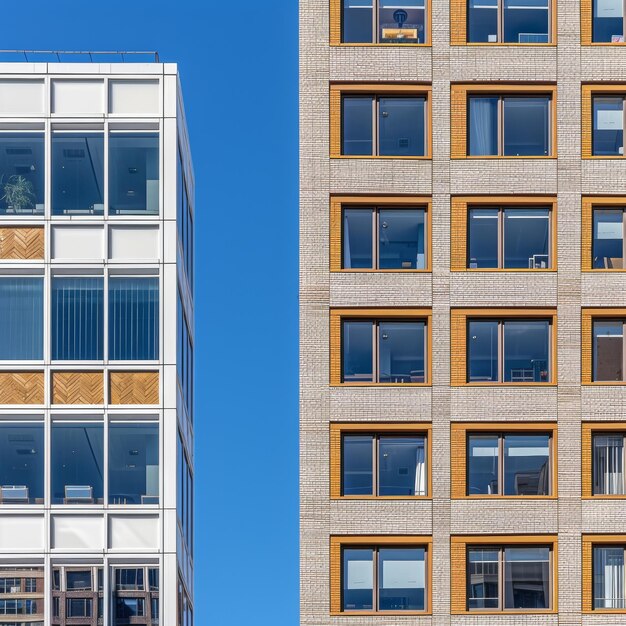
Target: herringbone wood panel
x,y
22,243
134,387
77,388
21,388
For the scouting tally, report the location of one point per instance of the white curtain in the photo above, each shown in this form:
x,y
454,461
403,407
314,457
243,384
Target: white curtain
x,y
608,461
482,127
420,470
608,573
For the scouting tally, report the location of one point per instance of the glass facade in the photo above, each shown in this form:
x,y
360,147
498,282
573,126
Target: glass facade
x,y
22,460
22,173
21,312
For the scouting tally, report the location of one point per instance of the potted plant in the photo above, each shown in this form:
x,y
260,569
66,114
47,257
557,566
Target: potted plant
x,y
19,193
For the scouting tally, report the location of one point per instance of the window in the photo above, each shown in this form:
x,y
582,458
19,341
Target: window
x,y
509,238
509,125
608,238
129,579
510,351
509,577
22,173
184,222
78,580
384,351
21,311
608,350
509,464
608,126
383,578
133,463
129,607
77,173
133,173
383,21
383,125
79,607
608,21
508,21
77,318
184,358
77,463
608,464
184,493
133,318
384,238
389,464
21,462
608,577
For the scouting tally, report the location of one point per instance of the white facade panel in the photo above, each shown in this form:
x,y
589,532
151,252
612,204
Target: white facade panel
x,y
136,532
22,532
77,97
134,97
77,532
75,243
132,243
22,97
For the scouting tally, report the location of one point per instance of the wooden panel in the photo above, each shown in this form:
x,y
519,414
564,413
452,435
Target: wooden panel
x,y
335,460
587,574
586,346
586,121
586,467
458,576
586,234
134,387
335,22
458,235
336,230
335,121
585,22
458,347
458,461
458,22
458,122
23,243
70,387
22,388
335,574
336,316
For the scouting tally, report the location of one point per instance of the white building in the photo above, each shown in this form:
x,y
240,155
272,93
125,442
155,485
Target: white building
x,y
96,388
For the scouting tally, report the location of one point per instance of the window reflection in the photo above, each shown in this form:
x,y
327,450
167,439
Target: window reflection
x,y
357,239
21,463
483,573
526,351
608,239
401,352
526,465
526,238
401,126
357,129
77,173
526,126
483,464
608,350
483,238
527,578
22,174
358,353
483,351
402,466
608,126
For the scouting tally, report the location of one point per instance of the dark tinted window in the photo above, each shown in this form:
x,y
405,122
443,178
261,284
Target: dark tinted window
x,y
526,238
526,126
483,238
358,470
526,351
357,125
608,238
608,126
482,345
401,126
608,350
358,351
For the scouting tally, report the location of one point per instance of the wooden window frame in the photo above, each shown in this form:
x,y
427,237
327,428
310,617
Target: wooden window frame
x,y
589,542
338,316
588,430
589,205
339,429
459,545
586,27
339,542
459,434
339,203
460,207
459,31
460,93
336,23
588,316
459,318
588,92
377,90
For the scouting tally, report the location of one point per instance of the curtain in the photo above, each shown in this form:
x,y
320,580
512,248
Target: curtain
x,y
347,257
608,570
483,130
420,470
608,471
134,319
21,312
77,319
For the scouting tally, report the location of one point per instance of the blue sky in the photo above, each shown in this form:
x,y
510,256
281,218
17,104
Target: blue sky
x,y
238,62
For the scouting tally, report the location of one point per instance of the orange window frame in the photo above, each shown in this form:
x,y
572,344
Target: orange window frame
x,y
589,541
589,205
588,92
588,430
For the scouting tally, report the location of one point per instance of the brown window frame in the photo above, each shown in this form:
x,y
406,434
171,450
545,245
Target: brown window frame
x,y
588,431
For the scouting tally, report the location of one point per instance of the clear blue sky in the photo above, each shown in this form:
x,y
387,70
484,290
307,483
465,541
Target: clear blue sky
x,y
238,62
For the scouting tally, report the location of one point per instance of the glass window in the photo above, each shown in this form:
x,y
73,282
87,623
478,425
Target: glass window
x,y
77,319
133,173
384,465
512,21
608,465
483,126
21,463
526,126
78,580
401,239
22,189
608,350
133,318
483,349
608,577
401,352
129,578
608,21
608,238
79,607
483,465
608,126
133,463
399,21
400,573
77,173
483,234
358,352
401,126
21,311
129,607
77,463
526,238
385,126
526,465
483,572
526,351
526,580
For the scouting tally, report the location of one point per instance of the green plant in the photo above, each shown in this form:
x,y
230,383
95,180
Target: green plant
x,y
19,193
